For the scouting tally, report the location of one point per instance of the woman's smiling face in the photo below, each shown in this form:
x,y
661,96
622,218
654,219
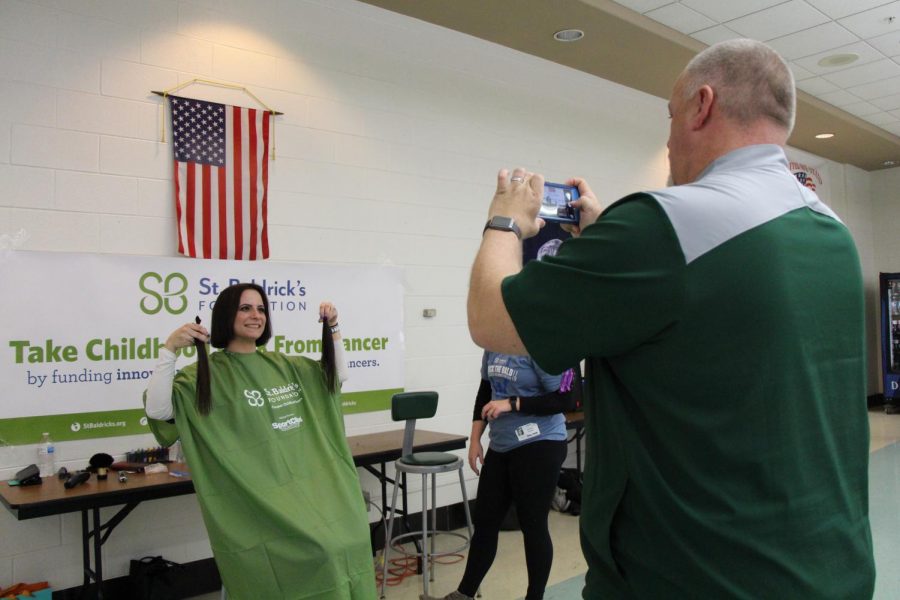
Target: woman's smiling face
x,y
250,319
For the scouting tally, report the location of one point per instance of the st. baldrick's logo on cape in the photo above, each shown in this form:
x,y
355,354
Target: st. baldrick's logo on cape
x,y
806,175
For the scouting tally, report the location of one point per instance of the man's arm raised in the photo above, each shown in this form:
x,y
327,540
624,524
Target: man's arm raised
x,y
489,322
518,197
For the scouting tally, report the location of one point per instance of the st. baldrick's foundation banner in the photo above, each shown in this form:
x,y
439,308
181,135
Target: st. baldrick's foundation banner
x,y
80,333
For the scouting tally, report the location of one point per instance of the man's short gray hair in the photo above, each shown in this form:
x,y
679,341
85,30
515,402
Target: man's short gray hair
x,y
750,79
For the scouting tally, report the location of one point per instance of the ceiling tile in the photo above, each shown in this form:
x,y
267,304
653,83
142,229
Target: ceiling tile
x,y
891,102
681,18
812,41
893,127
778,21
642,6
799,72
842,8
876,71
720,11
880,119
874,22
716,34
861,109
816,86
867,54
888,44
894,113
840,98
877,89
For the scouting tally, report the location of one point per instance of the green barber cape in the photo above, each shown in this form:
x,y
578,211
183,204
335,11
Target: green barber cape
x,y
275,479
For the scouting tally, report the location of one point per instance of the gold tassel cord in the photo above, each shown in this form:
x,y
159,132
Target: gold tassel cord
x,y
162,123
230,86
170,91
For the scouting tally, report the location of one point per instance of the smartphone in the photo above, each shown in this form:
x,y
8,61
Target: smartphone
x,y
555,203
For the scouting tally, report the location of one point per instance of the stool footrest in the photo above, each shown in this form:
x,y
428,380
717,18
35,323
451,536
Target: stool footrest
x,y
417,535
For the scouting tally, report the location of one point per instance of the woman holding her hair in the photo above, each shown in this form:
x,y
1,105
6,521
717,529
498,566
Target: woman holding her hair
x,y
263,436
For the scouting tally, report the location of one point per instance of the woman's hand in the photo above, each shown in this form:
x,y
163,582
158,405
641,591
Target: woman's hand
x,y
476,455
185,335
328,312
495,408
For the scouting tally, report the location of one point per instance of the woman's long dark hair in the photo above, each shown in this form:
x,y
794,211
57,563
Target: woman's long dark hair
x,y
328,357
203,400
222,332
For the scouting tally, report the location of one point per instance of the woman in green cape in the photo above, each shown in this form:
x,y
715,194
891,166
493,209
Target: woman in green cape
x,y
263,436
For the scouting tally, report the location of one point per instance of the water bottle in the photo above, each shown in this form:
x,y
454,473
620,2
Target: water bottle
x,y
175,453
47,456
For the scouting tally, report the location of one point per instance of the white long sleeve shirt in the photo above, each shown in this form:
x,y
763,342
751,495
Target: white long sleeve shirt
x,y
159,386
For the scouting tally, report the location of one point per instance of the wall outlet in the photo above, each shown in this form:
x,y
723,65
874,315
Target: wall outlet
x,y
368,498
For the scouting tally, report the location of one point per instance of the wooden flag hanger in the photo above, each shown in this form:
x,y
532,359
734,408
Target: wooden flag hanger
x,y
172,90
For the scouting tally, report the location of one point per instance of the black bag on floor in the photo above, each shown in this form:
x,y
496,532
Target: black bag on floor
x,y
153,578
570,483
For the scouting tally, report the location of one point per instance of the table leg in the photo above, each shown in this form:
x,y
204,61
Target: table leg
x,y
98,559
91,574
383,480
95,573
85,553
579,433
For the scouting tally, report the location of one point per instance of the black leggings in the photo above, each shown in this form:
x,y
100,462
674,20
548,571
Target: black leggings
x,y
528,476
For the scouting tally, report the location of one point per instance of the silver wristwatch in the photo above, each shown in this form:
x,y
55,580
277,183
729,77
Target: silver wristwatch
x,y
503,224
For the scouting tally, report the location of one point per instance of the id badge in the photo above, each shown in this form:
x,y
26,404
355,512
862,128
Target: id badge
x,y
527,431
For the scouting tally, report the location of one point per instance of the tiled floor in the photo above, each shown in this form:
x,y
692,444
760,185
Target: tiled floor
x,y
507,581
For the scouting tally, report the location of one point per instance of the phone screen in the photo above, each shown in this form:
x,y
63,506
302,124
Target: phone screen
x,y
555,203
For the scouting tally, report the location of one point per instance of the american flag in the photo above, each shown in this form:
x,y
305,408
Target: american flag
x,y
221,179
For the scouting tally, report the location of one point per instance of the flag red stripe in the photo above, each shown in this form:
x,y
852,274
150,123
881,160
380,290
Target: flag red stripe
x,y
223,214
238,167
178,215
265,186
190,188
251,162
207,212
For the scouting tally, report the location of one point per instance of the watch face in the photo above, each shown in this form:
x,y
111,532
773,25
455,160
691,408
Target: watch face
x,y
503,224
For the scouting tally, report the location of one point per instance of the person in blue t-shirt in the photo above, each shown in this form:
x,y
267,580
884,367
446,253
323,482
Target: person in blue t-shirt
x,y
523,408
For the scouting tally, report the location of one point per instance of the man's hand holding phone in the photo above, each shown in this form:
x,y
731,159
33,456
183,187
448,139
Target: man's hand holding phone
x,y
526,199
588,206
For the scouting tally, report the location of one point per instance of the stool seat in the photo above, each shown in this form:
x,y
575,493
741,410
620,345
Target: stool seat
x,y
429,459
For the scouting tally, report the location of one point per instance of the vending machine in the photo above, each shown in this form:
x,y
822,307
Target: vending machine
x,y
890,340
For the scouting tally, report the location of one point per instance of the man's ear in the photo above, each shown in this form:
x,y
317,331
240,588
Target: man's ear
x,y
703,103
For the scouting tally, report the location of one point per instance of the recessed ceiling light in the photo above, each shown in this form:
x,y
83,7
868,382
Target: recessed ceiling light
x,y
568,35
889,163
824,136
839,60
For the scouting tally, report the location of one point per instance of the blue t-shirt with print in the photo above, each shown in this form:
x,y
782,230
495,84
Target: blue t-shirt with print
x,y
509,376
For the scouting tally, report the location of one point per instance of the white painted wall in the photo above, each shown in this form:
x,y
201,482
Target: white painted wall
x,y
387,154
